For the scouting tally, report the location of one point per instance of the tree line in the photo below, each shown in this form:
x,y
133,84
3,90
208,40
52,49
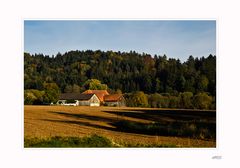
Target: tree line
x,y
184,100
127,72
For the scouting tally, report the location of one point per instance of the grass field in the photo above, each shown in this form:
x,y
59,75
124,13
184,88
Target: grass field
x,y
123,127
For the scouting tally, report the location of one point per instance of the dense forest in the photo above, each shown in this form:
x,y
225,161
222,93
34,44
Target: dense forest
x,y
126,72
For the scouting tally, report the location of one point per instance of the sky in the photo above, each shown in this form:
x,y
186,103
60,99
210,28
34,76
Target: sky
x,y
175,38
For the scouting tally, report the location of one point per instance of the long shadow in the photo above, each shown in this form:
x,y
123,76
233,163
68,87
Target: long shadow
x,y
185,124
160,115
80,123
191,129
84,116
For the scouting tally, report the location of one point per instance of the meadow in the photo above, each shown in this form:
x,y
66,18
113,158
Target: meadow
x,y
83,126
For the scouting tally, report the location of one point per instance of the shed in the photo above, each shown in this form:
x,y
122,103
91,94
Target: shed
x,y
78,99
114,100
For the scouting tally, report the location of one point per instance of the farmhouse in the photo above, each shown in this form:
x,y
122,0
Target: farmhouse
x,y
78,99
99,93
114,100
91,98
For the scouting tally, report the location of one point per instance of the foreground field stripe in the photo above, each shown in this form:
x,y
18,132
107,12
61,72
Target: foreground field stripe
x,y
50,121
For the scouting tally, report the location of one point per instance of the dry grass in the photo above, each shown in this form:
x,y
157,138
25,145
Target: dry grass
x,y
49,121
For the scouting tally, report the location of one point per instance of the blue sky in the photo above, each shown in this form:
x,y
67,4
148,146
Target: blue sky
x,y
176,39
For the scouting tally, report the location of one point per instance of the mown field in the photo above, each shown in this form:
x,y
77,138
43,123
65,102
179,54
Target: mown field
x,y
117,127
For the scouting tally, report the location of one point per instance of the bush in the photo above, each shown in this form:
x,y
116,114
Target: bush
x,y
29,97
154,100
96,141
76,142
173,102
185,100
33,96
164,102
202,101
137,99
92,141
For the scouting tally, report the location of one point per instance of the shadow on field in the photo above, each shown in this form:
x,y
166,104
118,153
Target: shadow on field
x,y
182,123
80,123
84,116
166,115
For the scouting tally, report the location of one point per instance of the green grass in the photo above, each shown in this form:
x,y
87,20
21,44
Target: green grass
x,y
57,141
76,142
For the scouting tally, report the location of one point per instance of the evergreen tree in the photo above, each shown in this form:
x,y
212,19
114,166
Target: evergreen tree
x,y
127,71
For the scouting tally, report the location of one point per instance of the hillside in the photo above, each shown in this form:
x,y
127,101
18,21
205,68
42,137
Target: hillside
x,y
125,71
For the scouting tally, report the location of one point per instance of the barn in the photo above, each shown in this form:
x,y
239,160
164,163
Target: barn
x,y
78,99
114,100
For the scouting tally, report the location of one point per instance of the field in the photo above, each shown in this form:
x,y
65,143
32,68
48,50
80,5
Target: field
x,y
124,127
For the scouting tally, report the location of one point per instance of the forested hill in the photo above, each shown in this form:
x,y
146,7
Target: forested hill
x,y
127,71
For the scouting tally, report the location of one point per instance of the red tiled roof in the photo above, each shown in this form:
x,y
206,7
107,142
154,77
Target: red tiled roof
x,y
99,93
112,98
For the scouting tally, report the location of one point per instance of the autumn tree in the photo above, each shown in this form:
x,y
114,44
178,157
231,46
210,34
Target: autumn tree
x,y
51,93
94,84
33,96
127,71
137,99
154,100
202,101
185,100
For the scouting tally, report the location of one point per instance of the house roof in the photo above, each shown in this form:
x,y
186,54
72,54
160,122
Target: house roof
x,y
112,98
99,93
75,96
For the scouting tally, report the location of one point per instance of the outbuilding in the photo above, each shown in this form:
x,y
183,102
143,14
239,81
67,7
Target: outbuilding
x,y
78,99
114,100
